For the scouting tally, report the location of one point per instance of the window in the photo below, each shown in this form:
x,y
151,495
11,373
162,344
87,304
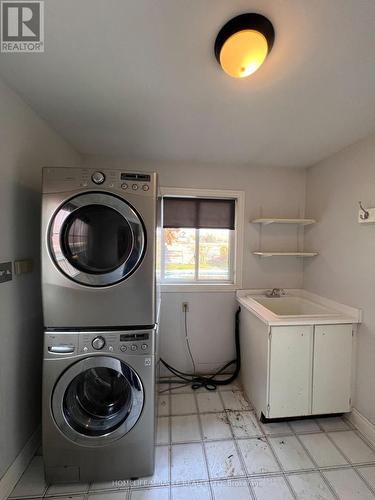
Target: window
x,y
201,237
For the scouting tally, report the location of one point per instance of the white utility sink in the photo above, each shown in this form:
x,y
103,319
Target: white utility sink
x,y
296,353
293,306
296,307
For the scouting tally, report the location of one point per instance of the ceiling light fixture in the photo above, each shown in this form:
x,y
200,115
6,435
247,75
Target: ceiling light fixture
x,y
243,44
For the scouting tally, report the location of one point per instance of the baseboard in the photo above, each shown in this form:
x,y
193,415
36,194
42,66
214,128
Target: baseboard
x,y
364,425
18,467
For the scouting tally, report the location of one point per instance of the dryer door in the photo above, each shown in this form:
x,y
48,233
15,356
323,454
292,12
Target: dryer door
x,y
97,239
97,400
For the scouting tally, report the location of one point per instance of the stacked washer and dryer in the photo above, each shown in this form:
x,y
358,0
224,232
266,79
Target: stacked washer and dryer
x,y
100,316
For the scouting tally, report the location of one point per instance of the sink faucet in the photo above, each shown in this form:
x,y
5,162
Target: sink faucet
x,y
275,292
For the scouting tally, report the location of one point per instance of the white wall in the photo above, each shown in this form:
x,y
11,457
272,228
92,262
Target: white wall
x,y
210,326
344,270
26,144
280,191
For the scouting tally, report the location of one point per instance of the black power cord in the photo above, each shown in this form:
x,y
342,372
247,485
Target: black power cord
x,y
211,383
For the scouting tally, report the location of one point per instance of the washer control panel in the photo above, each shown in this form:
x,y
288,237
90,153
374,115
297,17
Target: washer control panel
x,y
132,342
61,179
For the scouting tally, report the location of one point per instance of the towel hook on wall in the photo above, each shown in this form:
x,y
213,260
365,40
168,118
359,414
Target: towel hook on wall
x,y
365,213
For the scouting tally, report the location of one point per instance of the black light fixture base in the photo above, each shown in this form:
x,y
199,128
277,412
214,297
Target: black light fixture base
x,y
243,22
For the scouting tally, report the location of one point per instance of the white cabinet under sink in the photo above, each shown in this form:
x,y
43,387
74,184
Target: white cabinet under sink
x,y
290,368
332,361
296,370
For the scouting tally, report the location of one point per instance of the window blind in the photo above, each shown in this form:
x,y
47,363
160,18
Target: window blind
x,y
198,213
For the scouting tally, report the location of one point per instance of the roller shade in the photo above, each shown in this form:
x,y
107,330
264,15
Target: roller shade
x,y
199,213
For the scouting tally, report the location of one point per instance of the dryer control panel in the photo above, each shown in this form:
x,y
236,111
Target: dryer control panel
x,y
65,179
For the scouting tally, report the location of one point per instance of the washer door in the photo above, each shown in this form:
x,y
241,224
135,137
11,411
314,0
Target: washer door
x,y
97,400
97,239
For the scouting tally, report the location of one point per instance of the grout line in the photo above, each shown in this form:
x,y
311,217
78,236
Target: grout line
x,y
241,458
204,448
330,430
277,460
330,486
298,472
325,480
280,464
307,451
194,483
350,424
289,485
175,391
262,433
338,449
364,439
357,470
208,412
254,437
216,480
170,443
250,477
187,482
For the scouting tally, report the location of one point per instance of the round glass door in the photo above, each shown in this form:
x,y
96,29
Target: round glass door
x,y
97,239
97,400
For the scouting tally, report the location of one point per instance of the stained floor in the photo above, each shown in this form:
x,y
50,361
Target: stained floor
x,y
210,446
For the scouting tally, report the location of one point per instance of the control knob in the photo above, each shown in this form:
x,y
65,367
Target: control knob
x,y
98,343
98,177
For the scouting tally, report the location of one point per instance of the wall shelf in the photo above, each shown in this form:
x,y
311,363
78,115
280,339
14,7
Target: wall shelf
x,y
276,220
273,235
286,254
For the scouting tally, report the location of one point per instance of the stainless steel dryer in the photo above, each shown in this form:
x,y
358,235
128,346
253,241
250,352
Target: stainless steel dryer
x,y
98,248
99,405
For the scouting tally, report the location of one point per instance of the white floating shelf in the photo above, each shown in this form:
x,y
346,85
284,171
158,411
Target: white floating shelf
x,y
275,220
286,254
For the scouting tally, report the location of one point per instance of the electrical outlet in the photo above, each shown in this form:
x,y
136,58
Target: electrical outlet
x,y
23,266
185,307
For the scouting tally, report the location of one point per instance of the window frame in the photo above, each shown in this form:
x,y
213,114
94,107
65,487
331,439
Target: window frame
x,y
236,243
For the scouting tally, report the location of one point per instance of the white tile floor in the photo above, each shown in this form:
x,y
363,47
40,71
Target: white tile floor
x,y
210,446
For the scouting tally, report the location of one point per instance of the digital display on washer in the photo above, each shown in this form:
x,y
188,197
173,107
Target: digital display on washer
x,y
135,177
134,336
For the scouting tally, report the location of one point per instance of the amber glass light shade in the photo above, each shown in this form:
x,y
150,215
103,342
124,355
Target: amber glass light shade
x,y
243,44
243,53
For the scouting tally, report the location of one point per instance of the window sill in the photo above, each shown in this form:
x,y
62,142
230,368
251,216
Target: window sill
x,y
198,287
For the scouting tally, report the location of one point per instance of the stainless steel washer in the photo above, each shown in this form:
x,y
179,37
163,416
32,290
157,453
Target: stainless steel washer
x,y
99,405
98,248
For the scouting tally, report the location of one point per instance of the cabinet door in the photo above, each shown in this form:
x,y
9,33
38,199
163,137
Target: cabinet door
x,y
333,345
290,371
